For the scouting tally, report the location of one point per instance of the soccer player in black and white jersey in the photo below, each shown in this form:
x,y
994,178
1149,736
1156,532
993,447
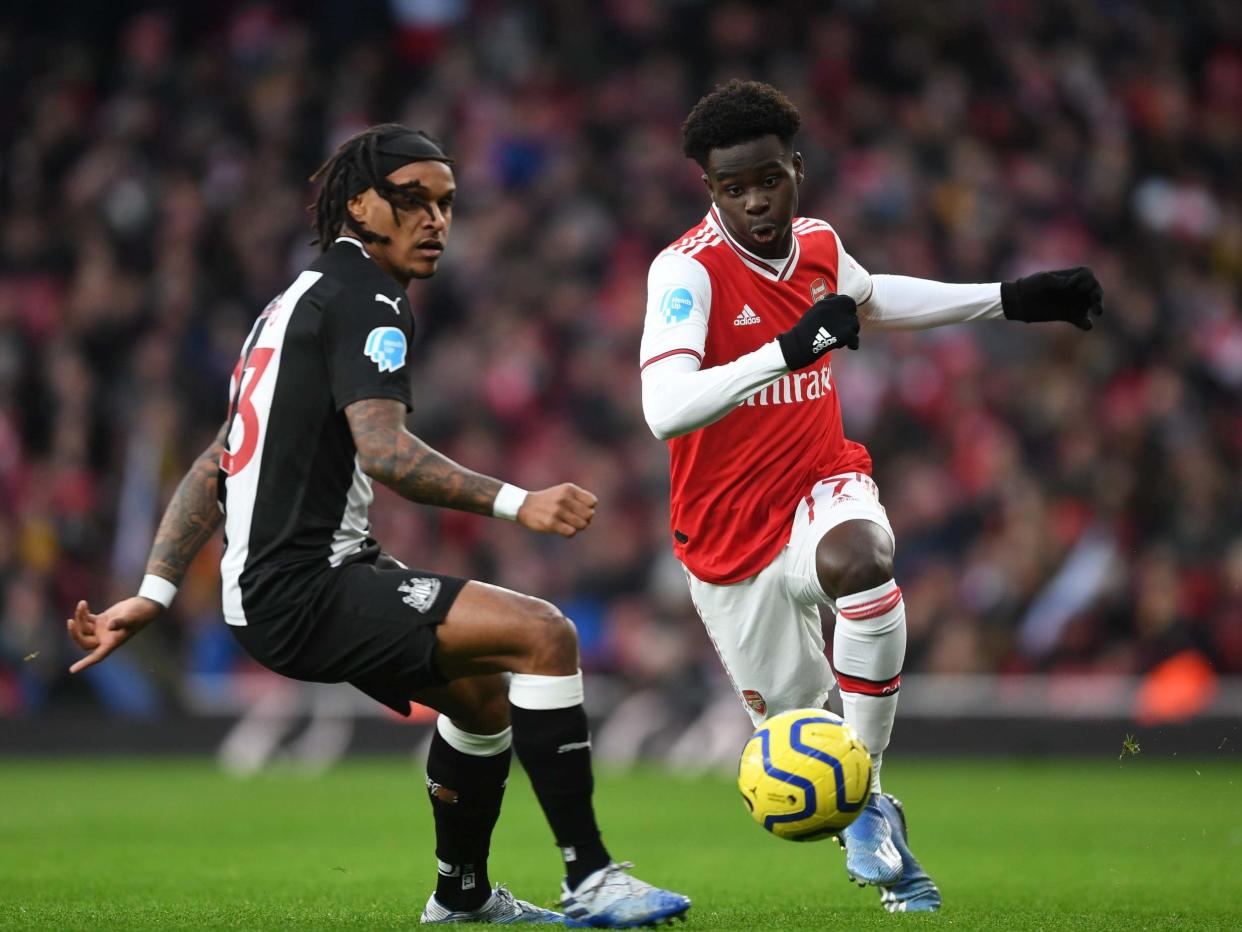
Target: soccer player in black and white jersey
x,y
317,411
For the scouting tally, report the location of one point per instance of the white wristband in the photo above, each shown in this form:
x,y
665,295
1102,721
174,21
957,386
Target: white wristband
x,y
508,500
157,589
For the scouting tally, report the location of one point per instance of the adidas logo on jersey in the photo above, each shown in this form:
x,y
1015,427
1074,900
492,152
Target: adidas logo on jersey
x,y
823,340
747,317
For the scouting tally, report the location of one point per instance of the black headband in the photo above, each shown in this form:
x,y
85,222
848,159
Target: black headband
x,y
397,150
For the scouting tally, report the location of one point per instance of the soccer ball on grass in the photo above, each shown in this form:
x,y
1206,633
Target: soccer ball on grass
x,y
805,775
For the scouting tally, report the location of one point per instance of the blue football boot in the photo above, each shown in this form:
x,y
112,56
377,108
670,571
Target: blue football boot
x,y
915,892
612,898
870,855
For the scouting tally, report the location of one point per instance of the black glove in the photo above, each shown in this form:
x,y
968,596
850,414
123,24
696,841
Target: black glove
x,y
1071,295
828,324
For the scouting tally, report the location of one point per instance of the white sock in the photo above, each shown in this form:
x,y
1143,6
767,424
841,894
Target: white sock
x,y
868,648
472,744
536,691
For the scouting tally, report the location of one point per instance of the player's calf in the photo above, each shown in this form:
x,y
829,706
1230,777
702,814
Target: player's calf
x,y
466,776
551,738
868,649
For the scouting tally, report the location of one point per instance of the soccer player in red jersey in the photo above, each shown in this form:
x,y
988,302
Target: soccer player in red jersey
x,y
774,511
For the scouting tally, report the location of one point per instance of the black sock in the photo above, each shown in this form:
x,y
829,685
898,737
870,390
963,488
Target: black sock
x,y
554,746
465,795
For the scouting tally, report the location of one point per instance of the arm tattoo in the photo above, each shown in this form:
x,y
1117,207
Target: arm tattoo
x,y
390,453
190,518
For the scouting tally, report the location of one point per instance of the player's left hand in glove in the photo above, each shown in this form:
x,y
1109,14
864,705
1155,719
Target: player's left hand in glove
x,y
1072,295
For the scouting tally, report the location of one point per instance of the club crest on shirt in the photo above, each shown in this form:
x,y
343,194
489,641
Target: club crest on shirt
x,y
420,593
819,290
676,305
755,701
386,348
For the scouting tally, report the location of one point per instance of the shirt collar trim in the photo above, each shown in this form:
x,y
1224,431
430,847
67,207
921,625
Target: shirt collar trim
x,y
357,242
777,270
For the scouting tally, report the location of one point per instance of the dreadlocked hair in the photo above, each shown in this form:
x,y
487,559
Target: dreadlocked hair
x,y
737,112
356,161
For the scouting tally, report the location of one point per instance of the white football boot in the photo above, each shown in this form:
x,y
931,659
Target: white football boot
x,y
501,908
611,898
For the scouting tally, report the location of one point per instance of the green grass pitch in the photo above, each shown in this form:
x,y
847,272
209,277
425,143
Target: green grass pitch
x,y
153,844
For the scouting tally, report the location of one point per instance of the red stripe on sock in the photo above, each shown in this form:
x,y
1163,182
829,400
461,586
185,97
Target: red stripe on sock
x,y
896,590
873,609
854,684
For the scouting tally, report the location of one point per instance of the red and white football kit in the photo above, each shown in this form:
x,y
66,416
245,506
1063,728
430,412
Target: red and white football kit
x,y
768,452
760,467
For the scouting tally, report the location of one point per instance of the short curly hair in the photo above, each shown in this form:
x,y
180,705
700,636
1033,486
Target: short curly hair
x,y
737,112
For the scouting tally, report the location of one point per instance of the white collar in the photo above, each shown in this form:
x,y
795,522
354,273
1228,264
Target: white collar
x,y
357,242
777,270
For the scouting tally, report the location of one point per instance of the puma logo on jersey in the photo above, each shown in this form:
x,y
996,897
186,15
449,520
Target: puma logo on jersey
x,y
823,340
395,302
420,593
747,317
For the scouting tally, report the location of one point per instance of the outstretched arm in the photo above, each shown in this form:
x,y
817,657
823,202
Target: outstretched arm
x,y
898,302
189,521
390,454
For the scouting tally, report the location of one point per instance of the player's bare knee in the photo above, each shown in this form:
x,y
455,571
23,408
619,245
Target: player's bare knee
x,y
854,557
552,637
866,571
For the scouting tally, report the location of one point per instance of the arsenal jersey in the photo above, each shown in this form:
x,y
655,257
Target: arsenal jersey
x,y
734,484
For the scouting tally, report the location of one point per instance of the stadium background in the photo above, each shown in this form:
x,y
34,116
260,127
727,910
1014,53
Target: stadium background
x,y
1068,507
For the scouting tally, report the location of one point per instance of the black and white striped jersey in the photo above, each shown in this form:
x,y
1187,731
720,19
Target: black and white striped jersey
x,y
294,498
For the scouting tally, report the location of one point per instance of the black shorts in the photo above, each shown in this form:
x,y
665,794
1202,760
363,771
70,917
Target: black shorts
x,y
372,625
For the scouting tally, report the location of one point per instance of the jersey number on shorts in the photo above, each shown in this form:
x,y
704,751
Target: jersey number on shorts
x,y
256,365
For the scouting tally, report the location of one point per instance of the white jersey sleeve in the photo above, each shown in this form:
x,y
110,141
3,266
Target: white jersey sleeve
x,y
897,302
901,303
852,278
678,396
679,299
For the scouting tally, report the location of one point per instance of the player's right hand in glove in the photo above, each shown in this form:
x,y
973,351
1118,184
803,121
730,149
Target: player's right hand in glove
x,y
829,323
1072,295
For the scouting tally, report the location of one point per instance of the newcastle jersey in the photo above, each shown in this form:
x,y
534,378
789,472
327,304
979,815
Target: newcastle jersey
x,y
294,498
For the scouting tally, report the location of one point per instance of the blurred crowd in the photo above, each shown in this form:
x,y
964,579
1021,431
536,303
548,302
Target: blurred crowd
x,y
1062,501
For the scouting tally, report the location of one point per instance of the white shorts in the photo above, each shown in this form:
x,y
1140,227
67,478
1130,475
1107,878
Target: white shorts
x,y
767,628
